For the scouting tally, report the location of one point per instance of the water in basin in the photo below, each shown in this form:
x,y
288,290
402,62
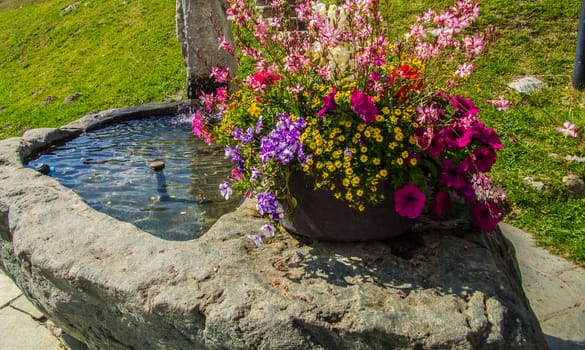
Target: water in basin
x,y
110,169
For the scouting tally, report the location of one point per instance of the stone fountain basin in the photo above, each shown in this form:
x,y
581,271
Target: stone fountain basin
x,y
113,286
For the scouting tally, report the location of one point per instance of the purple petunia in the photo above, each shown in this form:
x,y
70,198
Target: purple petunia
x,y
283,143
267,230
268,205
257,239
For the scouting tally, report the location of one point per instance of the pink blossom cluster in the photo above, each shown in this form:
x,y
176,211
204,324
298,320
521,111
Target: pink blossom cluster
x,y
448,126
200,128
437,33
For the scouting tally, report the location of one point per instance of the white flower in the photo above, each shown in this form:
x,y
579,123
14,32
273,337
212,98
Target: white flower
x,y
320,8
257,240
339,58
332,14
225,189
267,230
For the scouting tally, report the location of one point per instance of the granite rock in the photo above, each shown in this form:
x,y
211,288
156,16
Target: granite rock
x,y
200,24
526,85
575,185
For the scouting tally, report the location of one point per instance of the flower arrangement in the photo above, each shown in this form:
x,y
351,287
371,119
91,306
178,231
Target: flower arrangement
x,y
324,89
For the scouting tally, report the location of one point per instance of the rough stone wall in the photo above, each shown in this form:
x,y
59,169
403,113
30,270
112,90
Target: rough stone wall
x,y
200,25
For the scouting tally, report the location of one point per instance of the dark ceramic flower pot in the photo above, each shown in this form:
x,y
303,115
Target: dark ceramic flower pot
x,y
318,215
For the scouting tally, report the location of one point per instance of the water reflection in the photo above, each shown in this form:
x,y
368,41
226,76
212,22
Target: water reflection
x,y
109,168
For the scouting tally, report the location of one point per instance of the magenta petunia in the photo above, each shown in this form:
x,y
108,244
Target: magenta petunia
x,y
457,137
452,175
464,106
441,203
486,216
484,159
363,105
328,102
489,137
409,201
429,141
467,192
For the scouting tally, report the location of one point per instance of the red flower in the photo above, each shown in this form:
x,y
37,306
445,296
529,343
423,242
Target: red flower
x,y
266,78
405,72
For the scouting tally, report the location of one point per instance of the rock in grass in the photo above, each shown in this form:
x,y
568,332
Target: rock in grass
x,y
537,185
575,186
72,98
49,99
526,85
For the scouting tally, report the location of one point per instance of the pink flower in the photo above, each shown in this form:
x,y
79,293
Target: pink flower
x,y
428,115
363,105
464,70
328,102
473,46
568,129
225,45
200,129
220,74
486,216
236,174
502,104
409,201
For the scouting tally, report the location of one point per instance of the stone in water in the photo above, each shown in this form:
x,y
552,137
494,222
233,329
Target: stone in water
x,y
157,165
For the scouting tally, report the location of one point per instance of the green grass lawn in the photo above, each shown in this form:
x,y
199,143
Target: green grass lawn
x,y
115,53
119,53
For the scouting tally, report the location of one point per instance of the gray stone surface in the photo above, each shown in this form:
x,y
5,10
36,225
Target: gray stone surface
x,y
575,185
555,288
98,120
526,85
20,328
8,291
113,286
537,185
21,332
200,24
